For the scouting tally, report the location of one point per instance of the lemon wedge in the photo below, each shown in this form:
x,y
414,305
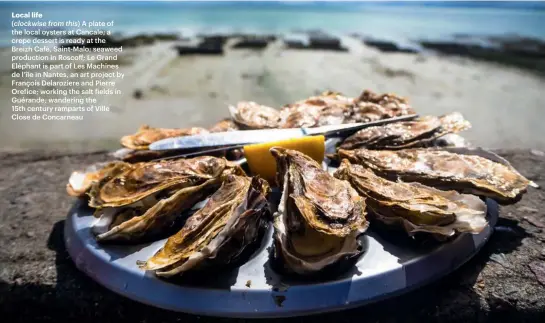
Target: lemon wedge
x,y
262,163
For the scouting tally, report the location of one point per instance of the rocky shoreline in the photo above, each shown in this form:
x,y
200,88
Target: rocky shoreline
x,y
512,50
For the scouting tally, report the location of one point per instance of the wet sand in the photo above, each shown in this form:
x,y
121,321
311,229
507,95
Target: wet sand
x,y
504,104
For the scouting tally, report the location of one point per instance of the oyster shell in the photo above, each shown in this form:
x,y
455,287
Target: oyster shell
x,y
370,106
413,206
80,182
418,133
319,217
466,173
229,222
145,199
149,217
147,135
224,125
125,185
137,156
250,115
329,108
395,105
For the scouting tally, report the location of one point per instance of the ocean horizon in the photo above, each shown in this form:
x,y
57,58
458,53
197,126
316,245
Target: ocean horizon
x,y
396,21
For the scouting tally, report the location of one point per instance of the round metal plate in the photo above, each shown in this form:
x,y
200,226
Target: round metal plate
x,y
386,269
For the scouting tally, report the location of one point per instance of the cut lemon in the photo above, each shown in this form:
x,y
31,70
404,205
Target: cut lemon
x,y
262,163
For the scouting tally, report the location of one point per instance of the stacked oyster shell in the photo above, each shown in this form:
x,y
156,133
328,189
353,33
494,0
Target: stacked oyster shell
x,y
399,175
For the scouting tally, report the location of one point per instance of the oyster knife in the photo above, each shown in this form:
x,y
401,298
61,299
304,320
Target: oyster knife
x,y
246,137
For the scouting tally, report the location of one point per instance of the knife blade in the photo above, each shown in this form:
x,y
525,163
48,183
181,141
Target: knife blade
x,y
246,137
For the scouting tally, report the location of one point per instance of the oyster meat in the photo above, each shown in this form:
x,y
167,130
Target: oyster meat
x,y
413,206
319,217
466,173
147,135
417,133
140,202
250,115
80,182
231,220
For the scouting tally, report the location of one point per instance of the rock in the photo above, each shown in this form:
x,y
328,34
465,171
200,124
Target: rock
x,y
527,209
209,45
325,42
30,234
538,268
534,221
537,152
253,42
296,41
137,94
314,40
510,50
387,46
130,41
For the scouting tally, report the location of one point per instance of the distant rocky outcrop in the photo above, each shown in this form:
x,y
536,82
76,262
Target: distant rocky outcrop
x,y
524,52
316,40
386,45
254,41
203,45
389,46
126,41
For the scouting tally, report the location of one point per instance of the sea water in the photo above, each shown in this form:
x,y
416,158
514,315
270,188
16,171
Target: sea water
x,y
396,21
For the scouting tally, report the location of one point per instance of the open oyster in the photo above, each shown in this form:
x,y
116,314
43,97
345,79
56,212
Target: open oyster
x,y
231,220
319,217
466,173
417,133
329,108
147,135
250,115
80,182
142,201
413,206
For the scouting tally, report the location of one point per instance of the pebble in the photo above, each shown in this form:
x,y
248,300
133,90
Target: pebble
x,y
30,234
534,221
537,152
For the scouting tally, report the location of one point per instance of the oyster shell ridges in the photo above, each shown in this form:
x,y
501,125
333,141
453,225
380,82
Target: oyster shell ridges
x,y
417,133
230,221
319,217
445,170
147,135
415,207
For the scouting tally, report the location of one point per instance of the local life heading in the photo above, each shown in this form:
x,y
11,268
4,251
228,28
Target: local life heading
x,y
30,14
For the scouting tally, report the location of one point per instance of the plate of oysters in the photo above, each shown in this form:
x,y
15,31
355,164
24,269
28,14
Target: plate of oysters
x,y
387,209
